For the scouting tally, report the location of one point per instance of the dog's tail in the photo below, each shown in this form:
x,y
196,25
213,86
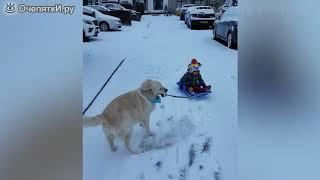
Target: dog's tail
x,y
92,121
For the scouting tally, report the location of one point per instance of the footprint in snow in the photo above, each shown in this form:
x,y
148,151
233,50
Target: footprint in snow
x,y
192,155
158,165
183,174
177,131
207,145
170,118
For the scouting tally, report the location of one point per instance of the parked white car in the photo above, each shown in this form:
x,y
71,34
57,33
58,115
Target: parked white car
x,y
200,16
89,28
105,22
186,14
184,9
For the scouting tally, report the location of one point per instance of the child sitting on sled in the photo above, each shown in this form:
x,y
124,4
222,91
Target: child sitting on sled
x,y
192,79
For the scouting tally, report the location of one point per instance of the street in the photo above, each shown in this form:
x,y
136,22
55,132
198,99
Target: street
x,y
160,48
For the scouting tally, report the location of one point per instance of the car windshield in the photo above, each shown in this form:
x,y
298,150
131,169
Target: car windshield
x,y
92,10
109,6
99,8
87,12
118,6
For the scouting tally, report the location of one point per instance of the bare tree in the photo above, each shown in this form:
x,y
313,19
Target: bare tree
x,y
217,3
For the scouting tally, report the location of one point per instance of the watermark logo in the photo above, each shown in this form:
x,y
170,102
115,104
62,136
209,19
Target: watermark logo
x,y
10,8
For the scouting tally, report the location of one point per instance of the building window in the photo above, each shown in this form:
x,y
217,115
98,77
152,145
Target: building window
x,y
158,4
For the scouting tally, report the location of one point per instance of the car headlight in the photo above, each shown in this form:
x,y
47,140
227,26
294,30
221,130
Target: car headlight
x,y
116,21
87,21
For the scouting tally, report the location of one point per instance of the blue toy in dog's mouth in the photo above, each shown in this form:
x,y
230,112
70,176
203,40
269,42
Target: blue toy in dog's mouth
x,y
157,99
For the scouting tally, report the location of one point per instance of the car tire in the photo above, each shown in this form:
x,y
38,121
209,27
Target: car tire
x,y
190,25
84,37
104,26
230,43
214,34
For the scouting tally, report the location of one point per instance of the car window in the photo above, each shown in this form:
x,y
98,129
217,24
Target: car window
x,y
103,8
99,8
224,16
87,12
119,6
231,14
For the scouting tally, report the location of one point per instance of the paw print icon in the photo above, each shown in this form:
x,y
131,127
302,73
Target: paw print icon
x,y
10,8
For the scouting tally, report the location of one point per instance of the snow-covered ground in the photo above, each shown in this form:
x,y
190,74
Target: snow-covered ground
x,y
193,137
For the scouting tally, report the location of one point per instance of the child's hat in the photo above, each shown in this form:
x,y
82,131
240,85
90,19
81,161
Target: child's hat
x,y
194,66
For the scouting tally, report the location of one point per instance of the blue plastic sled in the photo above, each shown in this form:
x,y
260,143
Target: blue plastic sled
x,y
183,89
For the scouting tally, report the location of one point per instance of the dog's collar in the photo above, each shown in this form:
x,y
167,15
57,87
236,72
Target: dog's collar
x,y
155,100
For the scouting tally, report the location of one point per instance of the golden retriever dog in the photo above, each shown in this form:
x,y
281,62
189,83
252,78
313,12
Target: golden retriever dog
x,y
127,110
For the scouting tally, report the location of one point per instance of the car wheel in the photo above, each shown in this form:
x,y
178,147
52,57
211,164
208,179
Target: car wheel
x,y
214,33
190,25
84,37
104,26
230,43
